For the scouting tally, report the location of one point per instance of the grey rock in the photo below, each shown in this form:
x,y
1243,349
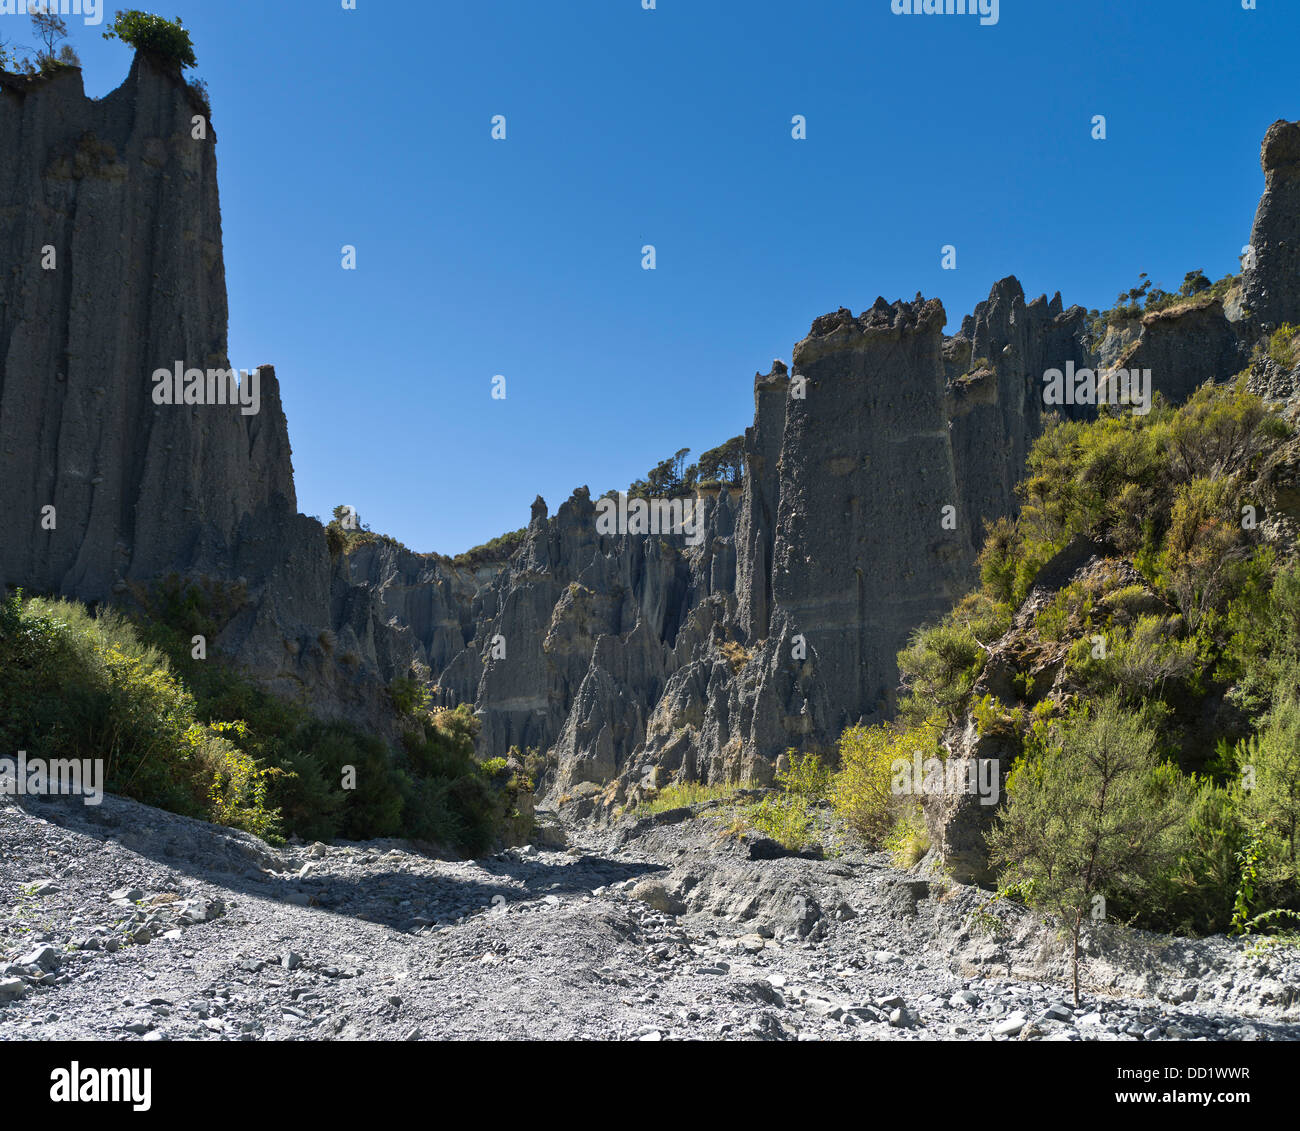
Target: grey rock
x,y
1010,1025
1272,285
45,958
653,893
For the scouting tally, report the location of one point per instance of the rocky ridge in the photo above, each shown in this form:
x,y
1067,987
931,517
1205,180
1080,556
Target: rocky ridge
x,y
872,464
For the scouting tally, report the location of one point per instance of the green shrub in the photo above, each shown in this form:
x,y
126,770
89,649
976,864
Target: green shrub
x,y
785,818
1139,661
75,685
1269,764
1282,346
409,696
909,840
1197,895
862,791
198,738
497,549
165,41
806,776
941,663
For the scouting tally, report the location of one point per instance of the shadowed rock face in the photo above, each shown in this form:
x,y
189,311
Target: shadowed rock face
x,y
125,199
871,467
1272,285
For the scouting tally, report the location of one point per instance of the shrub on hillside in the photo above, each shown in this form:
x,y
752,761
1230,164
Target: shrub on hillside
x,y
75,685
198,738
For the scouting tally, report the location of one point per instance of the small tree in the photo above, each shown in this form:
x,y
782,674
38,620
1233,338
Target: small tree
x,y
165,41
51,29
1094,814
1270,766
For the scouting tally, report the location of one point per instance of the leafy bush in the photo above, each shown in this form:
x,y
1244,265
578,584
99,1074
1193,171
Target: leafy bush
x,y
785,818
1282,346
196,737
862,791
806,776
165,41
497,549
941,663
908,841
1142,659
74,685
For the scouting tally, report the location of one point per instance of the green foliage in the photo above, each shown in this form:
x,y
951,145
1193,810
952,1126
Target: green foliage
x,y
1197,894
409,696
995,721
723,465
165,41
1148,298
1269,765
1141,682
785,818
52,55
196,737
862,791
941,663
681,795
498,549
345,532
75,685
806,776
909,840
1282,348
1141,660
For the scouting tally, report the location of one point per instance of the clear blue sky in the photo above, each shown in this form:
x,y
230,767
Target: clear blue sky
x,y
672,127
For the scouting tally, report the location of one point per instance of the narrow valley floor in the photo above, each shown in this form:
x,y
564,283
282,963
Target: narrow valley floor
x,y
127,923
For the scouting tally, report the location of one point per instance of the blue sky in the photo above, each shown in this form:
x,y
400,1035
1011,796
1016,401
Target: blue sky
x,y
672,127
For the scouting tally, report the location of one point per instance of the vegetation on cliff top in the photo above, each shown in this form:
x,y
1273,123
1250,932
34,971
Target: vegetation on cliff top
x,y
720,466
162,40
50,56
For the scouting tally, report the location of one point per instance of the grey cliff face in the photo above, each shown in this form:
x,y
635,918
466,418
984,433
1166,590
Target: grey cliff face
x,y
118,272
872,464
1272,280
128,206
